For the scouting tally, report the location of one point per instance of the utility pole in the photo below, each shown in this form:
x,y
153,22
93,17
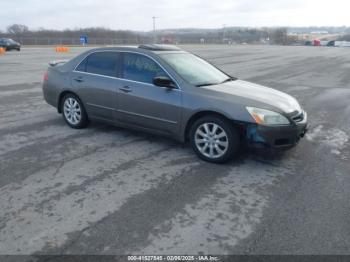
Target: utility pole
x,y
224,33
154,30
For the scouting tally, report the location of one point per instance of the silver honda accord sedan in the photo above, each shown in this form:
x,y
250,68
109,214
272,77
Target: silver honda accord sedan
x,y
167,91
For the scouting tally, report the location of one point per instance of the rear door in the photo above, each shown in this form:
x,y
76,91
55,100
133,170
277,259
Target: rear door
x,y
143,104
95,78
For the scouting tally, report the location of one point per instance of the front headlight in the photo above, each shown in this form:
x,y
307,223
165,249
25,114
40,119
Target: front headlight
x,y
267,117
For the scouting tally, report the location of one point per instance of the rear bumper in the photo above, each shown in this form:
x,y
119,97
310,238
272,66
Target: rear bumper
x,y
279,137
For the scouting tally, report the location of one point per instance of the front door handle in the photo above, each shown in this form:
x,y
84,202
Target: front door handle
x,y
125,89
79,80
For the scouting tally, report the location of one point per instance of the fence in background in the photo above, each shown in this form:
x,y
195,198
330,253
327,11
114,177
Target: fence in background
x,y
76,41
110,41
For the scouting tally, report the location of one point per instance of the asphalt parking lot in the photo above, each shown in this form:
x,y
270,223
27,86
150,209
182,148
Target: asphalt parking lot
x,y
106,190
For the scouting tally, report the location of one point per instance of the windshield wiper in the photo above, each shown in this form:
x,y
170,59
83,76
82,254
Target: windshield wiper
x,y
211,84
229,80
206,84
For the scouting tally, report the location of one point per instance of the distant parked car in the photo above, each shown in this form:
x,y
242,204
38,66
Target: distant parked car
x,y
317,42
331,43
342,43
9,44
165,90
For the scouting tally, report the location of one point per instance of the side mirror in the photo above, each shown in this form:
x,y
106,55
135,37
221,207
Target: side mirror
x,y
163,81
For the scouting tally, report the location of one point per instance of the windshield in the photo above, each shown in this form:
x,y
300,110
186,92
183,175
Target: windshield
x,y
194,69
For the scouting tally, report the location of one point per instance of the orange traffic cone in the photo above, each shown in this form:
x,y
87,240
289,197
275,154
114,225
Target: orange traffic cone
x,y
62,49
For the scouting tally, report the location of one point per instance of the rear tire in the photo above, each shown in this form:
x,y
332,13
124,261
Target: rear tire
x,y
73,111
214,139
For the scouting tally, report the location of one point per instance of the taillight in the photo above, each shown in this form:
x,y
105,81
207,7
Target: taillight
x,y
46,76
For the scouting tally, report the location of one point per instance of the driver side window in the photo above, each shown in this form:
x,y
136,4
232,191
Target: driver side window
x,y
140,68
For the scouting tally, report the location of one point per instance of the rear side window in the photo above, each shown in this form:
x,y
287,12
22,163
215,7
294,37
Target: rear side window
x,y
100,63
140,68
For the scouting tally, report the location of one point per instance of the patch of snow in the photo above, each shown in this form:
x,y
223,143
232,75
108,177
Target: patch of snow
x,y
316,132
333,138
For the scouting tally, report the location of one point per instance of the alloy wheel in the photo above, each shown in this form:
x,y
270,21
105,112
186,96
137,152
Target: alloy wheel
x,y
72,111
211,140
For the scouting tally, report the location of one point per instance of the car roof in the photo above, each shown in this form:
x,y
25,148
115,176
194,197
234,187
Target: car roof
x,y
6,39
146,49
156,47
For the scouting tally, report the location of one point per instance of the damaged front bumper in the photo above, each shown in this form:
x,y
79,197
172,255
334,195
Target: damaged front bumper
x,y
276,137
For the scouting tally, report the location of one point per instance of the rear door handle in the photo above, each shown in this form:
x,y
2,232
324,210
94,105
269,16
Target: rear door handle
x,y
125,89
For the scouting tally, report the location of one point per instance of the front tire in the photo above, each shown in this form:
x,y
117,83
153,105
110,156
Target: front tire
x,y
214,139
73,111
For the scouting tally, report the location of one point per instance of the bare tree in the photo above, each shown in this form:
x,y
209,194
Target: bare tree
x,y
103,36
344,38
17,29
279,36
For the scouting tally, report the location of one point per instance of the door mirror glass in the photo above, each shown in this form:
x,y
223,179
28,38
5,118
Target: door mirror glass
x,y
163,81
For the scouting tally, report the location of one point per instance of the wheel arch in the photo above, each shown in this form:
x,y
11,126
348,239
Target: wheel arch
x,y
60,97
203,113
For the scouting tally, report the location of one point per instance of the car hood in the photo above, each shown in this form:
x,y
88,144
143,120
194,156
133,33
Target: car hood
x,y
262,94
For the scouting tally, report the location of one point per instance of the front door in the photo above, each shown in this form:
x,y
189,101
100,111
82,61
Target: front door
x,y
143,104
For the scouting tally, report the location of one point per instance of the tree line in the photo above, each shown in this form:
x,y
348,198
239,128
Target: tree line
x,y
101,35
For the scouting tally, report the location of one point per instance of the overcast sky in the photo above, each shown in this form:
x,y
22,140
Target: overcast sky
x,y
137,15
